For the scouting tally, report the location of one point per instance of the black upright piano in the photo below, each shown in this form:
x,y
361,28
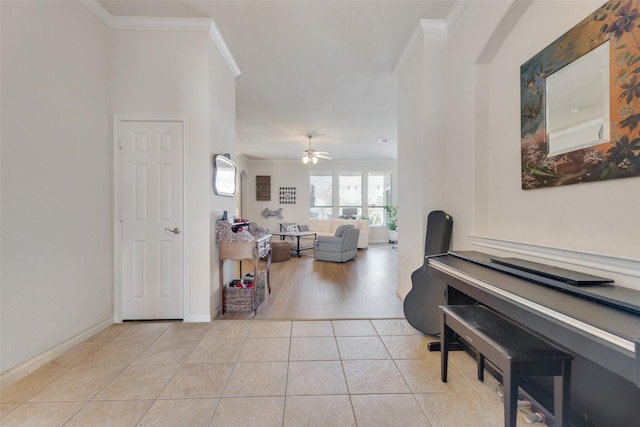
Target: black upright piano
x,y
598,324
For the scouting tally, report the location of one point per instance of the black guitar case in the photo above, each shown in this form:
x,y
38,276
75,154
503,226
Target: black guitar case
x,y
427,293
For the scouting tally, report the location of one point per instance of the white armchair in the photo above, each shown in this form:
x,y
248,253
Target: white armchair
x,y
339,248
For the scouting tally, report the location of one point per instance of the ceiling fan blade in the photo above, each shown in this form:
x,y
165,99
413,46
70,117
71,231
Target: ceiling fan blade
x,y
310,153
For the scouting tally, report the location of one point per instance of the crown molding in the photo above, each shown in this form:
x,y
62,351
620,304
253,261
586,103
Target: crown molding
x,y
142,23
431,26
99,11
408,48
455,13
223,48
443,26
426,26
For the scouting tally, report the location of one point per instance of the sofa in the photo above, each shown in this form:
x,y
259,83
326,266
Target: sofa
x,y
339,248
328,227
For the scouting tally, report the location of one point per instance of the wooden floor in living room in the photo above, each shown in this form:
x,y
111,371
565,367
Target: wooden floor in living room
x,y
306,289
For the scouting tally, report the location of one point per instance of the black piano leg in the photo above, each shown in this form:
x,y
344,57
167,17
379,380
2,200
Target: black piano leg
x,y
453,346
561,388
445,338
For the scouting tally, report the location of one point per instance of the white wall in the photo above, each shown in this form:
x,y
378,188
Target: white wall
x,y
467,109
64,73
594,217
422,180
166,72
587,226
56,174
411,156
589,219
222,116
294,173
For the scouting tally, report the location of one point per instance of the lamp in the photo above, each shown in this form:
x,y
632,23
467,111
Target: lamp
x,y
312,156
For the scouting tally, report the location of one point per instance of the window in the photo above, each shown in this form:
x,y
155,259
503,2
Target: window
x,y
350,195
321,195
378,195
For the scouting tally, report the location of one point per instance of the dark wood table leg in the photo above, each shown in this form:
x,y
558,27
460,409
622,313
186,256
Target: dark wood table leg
x,y
298,247
269,270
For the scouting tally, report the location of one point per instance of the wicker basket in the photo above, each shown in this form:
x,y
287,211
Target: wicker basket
x,y
239,300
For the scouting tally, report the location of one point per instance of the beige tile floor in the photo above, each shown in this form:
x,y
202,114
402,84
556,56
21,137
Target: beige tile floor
x,y
254,373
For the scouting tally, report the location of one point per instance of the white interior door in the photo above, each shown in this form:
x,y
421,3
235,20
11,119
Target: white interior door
x,y
152,211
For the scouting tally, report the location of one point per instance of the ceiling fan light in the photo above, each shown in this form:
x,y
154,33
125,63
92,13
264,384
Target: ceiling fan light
x,y
310,154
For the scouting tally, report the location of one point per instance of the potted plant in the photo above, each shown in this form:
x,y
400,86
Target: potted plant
x,y
392,222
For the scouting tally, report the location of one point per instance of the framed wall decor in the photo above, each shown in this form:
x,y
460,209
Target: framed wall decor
x,y
580,102
263,188
287,195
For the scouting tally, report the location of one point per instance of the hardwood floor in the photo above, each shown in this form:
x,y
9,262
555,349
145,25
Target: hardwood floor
x,y
305,289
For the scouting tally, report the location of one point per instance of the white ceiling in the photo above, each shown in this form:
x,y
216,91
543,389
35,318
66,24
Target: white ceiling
x,y
322,68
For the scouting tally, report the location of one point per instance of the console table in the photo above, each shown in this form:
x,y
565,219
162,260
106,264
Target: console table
x,y
252,244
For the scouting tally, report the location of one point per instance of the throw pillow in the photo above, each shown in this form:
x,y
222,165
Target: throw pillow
x,y
302,227
284,226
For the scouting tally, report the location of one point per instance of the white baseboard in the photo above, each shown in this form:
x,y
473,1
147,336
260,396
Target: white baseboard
x,y
195,318
625,271
25,368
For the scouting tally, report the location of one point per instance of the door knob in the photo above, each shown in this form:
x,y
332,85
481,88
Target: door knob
x,y
173,230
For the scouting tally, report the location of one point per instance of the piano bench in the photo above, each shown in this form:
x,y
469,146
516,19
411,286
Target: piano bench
x,y
513,350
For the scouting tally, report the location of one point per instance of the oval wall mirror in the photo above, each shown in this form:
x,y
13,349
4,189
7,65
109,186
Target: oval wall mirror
x,y
224,176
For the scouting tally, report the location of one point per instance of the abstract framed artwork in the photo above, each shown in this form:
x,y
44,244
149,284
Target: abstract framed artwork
x,y
287,195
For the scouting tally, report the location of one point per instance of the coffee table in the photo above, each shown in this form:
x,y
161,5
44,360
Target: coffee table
x,y
297,235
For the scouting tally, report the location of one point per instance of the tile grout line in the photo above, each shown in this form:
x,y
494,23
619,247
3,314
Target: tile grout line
x,y
235,364
130,364
286,377
92,399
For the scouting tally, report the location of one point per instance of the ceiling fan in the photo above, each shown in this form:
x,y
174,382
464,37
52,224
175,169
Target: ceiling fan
x,y
311,155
